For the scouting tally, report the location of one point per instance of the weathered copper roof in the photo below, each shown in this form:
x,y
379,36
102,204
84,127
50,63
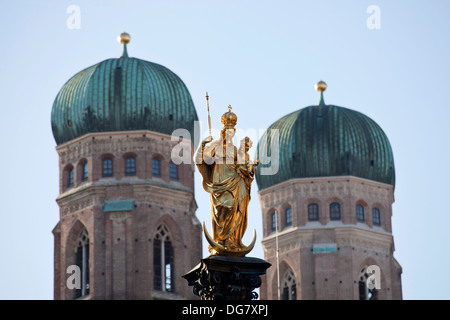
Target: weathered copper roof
x,y
325,141
120,95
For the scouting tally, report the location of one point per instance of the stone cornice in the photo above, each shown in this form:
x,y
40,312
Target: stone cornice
x,y
325,180
103,135
325,186
95,194
297,238
117,141
173,186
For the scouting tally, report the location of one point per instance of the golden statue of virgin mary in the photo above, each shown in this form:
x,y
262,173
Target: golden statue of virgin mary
x,y
227,174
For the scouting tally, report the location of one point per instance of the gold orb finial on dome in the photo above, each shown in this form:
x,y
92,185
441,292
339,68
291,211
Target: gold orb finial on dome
x,y
321,86
124,38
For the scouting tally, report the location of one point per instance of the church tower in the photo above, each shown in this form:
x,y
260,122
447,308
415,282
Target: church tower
x,y
327,210
127,227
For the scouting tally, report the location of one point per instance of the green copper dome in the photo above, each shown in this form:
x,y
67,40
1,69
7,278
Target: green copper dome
x,y
326,141
121,95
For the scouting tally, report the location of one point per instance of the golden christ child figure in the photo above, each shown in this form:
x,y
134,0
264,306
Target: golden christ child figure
x,y
227,176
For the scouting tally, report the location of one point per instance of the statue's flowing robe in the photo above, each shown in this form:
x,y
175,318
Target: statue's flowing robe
x,y
228,184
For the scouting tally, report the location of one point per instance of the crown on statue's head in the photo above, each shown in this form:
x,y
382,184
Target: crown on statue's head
x,y
229,119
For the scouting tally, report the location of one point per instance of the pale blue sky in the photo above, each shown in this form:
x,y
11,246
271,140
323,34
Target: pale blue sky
x,y
263,58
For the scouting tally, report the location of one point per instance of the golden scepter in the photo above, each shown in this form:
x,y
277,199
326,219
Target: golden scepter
x,y
209,117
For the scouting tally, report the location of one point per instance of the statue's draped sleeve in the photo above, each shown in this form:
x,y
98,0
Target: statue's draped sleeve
x,y
203,158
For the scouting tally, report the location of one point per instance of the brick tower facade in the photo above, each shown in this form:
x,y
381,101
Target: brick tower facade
x,y
327,236
138,215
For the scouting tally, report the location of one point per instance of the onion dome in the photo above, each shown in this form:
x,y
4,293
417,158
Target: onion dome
x,y
122,94
326,141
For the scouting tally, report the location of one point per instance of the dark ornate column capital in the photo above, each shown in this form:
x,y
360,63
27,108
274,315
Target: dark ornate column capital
x,y
227,278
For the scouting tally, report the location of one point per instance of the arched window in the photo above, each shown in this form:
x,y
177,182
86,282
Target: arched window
x,y
376,219
71,173
156,171
82,262
335,211
359,213
313,212
163,261
130,166
85,175
289,286
107,167
173,171
274,217
288,216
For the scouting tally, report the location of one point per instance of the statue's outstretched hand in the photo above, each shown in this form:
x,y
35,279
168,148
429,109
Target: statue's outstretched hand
x,y
207,140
